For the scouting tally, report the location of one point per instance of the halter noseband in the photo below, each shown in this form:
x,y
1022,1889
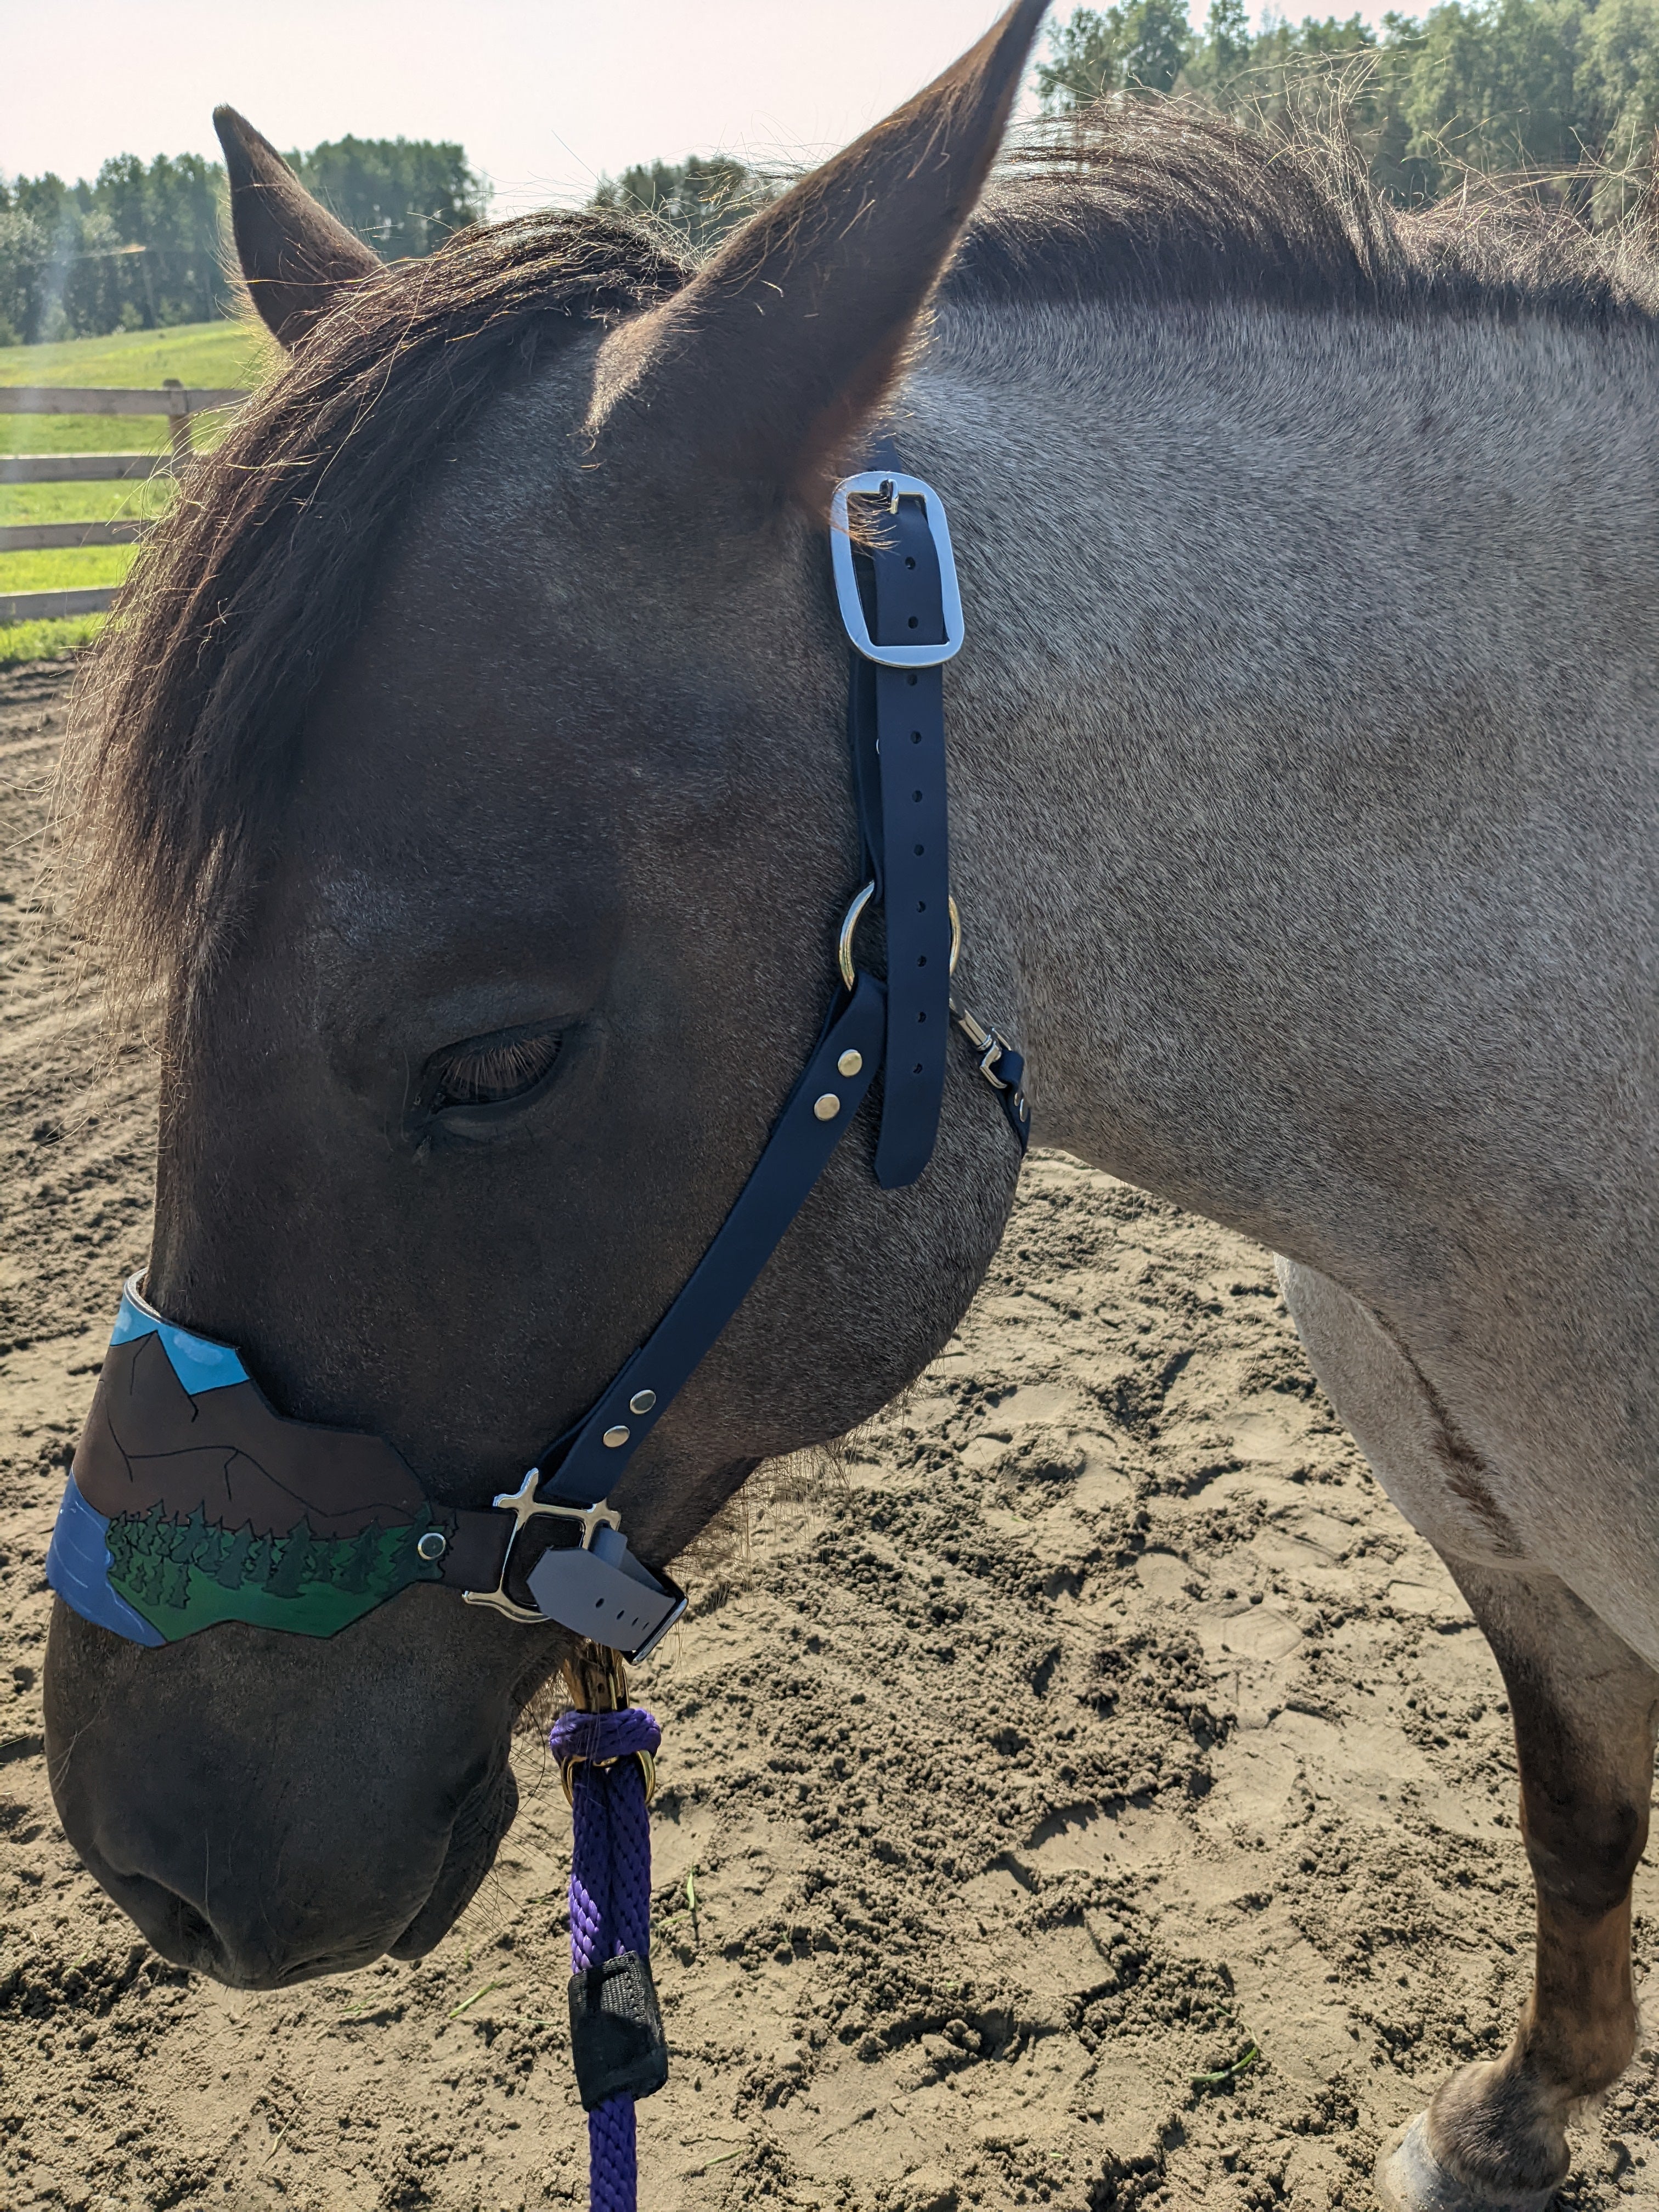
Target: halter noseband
x,y
192,1501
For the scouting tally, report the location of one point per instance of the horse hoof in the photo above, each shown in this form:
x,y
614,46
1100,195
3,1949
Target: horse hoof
x,y
1409,2178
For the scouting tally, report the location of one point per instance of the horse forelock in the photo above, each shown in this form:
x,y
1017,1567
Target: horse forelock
x,y
185,716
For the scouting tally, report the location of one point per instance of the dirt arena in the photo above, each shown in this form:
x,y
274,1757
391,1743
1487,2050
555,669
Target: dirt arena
x,y
1090,1723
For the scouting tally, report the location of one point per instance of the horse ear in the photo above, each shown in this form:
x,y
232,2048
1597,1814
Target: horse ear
x,y
782,344
295,256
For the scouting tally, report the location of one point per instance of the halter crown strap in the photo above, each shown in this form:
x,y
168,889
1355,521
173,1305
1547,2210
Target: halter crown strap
x,y
896,719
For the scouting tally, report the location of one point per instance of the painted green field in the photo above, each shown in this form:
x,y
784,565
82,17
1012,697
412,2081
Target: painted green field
x,y
216,356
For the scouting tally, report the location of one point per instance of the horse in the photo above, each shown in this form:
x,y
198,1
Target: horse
x,y
461,792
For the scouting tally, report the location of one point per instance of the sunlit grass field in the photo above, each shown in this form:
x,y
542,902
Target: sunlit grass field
x,y
213,356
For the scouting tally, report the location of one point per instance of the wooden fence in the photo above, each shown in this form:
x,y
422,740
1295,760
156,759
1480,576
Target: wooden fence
x,y
173,400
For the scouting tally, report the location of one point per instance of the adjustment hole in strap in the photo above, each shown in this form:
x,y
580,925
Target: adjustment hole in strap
x,y
910,560
911,678
915,737
918,850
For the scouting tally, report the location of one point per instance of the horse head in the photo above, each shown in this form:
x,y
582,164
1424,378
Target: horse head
x,y
472,790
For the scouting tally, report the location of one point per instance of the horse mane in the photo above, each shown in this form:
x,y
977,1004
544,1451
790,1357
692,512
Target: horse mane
x,y
1152,203
184,718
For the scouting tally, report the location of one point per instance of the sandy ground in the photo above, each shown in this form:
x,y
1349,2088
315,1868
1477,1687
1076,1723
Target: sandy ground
x,y
1089,1722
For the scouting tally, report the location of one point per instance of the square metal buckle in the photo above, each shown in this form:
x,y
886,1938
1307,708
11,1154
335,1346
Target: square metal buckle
x,y
525,1506
890,484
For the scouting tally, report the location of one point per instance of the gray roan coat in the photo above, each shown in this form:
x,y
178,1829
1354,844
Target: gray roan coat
x,y
476,727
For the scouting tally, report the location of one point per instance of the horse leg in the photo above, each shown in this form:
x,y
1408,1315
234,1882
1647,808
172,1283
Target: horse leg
x,y
1584,1705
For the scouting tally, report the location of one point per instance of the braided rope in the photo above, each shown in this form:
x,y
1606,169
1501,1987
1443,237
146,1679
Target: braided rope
x,y
610,1899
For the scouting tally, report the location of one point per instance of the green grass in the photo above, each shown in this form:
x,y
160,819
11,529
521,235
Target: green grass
x,y
224,356
202,353
95,434
46,640
84,502
68,569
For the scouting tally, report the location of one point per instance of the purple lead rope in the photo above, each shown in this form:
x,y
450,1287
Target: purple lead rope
x,y
609,1897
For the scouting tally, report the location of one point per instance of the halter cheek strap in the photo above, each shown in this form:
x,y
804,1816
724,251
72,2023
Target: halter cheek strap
x,y
896,721
578,1570
896,585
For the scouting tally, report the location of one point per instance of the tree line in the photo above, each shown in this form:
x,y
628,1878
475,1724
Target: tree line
x,y
143,245
1565,92
698,198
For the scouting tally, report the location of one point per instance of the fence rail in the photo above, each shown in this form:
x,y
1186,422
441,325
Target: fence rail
x,y
108,399
44,537
175,401
81,468
47,607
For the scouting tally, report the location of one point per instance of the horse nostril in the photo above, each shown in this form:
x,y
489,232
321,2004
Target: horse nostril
x,y
187,1924
179,1931
245,1951
193,1928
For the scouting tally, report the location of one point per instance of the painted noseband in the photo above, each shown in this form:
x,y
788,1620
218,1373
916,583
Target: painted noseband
x,y
192,1501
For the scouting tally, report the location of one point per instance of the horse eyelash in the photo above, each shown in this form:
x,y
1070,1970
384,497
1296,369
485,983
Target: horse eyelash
x,y
486,1074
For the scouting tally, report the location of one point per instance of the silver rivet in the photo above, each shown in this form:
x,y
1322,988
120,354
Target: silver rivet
x,y
850,1062
641,1401
432,1545
828,1107
614,1436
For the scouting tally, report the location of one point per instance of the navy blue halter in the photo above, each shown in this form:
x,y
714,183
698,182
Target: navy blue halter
x,y
154,1568
895,583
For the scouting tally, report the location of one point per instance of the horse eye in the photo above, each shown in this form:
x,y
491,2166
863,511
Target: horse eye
x,y
488,1069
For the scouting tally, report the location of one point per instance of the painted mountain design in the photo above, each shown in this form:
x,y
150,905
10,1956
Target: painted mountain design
x,y
224,1457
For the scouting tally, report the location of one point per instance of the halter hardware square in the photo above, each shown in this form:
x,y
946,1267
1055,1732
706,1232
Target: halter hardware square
x,y
890,485
525,1507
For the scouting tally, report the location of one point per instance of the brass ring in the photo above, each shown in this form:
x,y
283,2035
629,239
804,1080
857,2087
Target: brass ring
x,y
848,923
850,926
647,1768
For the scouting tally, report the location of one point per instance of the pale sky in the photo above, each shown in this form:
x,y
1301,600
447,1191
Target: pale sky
x,y
542,93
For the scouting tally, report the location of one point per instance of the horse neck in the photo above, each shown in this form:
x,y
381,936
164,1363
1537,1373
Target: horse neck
x,y
1271,618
